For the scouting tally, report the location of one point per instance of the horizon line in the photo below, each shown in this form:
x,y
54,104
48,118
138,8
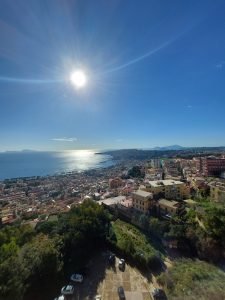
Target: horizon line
x,y
113,149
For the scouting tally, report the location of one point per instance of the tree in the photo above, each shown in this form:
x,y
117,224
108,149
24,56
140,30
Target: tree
x,y
84,227
158,227
8,250
48,227
144,222
42,261
12,276
136,171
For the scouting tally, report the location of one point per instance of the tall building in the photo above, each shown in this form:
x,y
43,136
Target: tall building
x,y
211,166
156,163
169,189
172,169
142,201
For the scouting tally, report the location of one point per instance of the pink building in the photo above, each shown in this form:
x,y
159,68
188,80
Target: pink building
x,y
211,166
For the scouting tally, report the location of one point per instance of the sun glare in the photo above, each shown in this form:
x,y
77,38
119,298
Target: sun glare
x,y
78,79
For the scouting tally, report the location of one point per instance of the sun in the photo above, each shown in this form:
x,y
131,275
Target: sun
x,y
78,78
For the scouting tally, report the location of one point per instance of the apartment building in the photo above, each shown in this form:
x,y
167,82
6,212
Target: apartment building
x,y
154,174
211,166
172,169
115,183
156,163
142,201
167,207
169,189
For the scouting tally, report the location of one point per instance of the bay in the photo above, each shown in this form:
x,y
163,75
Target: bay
x,y
32,163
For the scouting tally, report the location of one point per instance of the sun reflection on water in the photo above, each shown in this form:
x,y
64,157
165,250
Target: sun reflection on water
x,y
80,159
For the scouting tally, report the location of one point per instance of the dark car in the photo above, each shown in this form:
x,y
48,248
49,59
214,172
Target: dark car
x,y
121,293
77,278
112,259
67,290
158,294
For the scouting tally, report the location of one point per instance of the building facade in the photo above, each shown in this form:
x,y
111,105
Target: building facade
x,y
165,207
169,189
142,201
211,166
115,183
156,163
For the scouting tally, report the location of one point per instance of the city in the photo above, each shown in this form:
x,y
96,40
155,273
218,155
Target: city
x,y
150,194
172,179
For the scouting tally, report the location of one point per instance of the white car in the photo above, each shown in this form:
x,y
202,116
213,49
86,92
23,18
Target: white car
x,y
122,264
77,278
60,298
67,290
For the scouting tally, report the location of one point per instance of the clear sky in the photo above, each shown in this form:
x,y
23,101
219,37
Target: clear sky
x,y
155,73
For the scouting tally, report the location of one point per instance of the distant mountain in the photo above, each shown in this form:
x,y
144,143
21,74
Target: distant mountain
x,y
173,147
159,152
20,151
29,150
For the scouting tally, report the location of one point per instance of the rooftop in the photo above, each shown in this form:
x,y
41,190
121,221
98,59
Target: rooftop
x,y
112,201
168,203
166,182
142,193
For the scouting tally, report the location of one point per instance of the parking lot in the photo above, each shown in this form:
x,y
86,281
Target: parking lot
x,y
104,280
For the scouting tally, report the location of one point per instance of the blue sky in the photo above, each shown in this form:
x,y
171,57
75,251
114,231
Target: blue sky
x,y
155,69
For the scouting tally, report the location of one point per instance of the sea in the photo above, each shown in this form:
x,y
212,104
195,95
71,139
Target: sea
x,y
35,163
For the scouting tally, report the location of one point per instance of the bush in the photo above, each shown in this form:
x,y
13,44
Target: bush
x,y
193,279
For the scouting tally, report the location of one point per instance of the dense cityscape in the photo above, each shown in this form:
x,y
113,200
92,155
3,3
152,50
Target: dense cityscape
x,y
175,200
174,179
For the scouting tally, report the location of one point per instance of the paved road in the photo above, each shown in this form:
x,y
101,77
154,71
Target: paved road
x,y
104,280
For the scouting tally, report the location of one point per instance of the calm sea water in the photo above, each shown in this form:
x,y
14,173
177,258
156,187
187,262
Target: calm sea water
x,y
25,164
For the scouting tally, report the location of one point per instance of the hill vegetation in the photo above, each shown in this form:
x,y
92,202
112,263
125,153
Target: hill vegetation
x,y
134,244
138,154
33,262
193,279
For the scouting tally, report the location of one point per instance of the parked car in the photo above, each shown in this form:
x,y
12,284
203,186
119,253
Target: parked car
x,y
67,290
158,294
77,278
112,258
60,298
121,293
122,264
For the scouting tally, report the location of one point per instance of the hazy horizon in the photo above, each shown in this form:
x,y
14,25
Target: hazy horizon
x,y
107,149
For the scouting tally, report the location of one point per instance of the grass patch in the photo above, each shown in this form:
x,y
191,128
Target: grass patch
x,y
133,243
193,279
53,218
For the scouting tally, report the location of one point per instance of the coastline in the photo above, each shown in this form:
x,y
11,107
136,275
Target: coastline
x,y
22,165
